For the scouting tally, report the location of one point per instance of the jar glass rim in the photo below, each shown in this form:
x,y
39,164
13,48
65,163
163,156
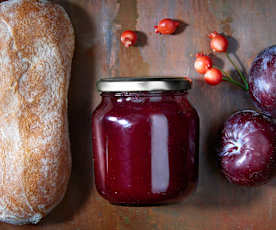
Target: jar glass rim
x,y
131,84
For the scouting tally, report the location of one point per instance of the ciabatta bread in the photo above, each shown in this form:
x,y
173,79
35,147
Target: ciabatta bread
x,y
36,50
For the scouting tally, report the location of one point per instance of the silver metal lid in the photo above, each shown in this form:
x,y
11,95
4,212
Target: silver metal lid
x,y
124,84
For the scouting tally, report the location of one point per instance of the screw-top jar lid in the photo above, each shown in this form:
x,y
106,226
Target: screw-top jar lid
x,y
123,84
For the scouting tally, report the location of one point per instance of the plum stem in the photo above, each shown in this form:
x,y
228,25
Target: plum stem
x,y
238,70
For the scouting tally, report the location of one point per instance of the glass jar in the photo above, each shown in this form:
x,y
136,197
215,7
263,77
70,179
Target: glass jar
x,y
145,140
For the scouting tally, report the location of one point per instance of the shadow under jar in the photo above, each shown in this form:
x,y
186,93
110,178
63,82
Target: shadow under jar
x,y
145,141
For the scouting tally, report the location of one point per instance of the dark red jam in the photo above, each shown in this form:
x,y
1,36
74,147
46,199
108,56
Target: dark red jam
x,y
145,147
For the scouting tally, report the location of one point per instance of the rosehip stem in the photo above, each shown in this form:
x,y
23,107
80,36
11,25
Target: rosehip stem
x,y
235,83
238,70
226,74
231,80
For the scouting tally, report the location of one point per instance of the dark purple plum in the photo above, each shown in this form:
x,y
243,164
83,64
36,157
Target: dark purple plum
x,y
248,154
262,81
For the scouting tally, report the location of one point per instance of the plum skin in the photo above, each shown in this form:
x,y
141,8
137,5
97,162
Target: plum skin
x,y
262,81
248,154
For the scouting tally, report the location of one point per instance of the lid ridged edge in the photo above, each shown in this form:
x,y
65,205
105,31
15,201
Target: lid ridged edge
x,y
143,84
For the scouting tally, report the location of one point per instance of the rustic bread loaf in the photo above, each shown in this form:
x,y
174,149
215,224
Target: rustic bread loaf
x,y
36,50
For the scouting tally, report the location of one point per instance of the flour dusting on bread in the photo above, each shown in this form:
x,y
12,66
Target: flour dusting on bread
x,y
36,50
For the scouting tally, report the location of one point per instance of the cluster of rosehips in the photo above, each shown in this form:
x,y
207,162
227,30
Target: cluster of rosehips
x,y
214,75
165,26
203,63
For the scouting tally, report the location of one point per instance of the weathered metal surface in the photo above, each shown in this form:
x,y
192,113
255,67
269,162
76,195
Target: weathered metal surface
x,y
217,205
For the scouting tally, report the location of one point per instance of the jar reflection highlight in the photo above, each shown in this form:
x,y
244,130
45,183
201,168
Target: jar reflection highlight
x,y
160,173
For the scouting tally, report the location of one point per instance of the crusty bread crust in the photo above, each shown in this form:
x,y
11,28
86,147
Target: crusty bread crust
x,y
36,50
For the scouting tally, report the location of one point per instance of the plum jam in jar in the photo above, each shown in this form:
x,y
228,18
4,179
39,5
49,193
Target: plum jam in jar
x,y
145,141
